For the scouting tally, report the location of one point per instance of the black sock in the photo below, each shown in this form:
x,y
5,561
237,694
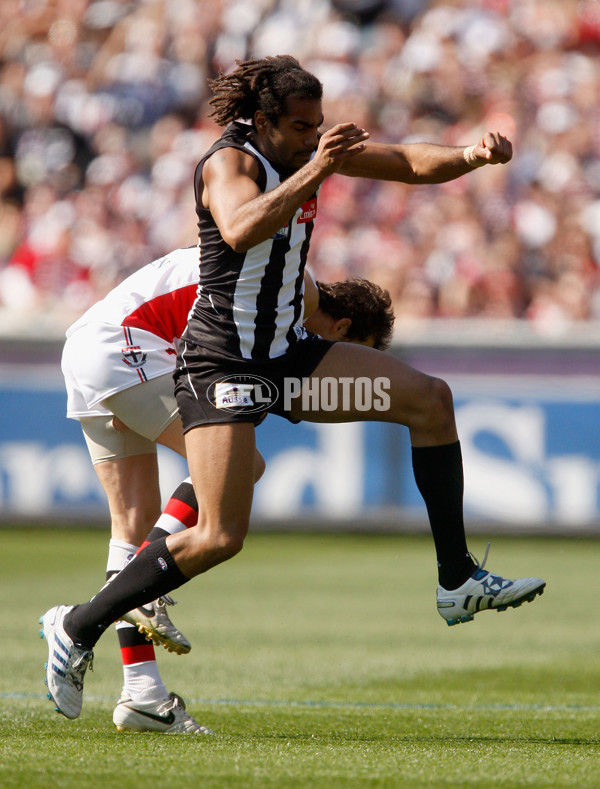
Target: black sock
x,y
149,575
130,638
439,477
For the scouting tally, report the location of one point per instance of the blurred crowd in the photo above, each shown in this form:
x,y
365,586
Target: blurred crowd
x,y
104,114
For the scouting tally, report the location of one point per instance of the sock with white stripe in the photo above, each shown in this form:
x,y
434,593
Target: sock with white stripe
x,y
180,513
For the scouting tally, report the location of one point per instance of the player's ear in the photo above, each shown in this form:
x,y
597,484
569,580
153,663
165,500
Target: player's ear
x,y
341,326
260,121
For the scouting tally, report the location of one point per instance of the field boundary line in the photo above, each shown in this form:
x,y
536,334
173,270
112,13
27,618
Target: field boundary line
x,y
308,704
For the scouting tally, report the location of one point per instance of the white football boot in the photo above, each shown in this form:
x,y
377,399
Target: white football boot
x,y
153,621
484,591
67,663
168,716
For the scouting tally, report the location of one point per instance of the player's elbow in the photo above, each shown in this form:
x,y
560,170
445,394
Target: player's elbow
x,y
235,240
238,240
239,246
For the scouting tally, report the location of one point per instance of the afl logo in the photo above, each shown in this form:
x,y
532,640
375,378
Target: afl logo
x,y
133,356
248,394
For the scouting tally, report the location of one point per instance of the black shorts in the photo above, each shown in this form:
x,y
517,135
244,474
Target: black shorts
x,y
211,388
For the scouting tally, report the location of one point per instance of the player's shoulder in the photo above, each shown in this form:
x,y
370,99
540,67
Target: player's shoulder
x,y
231,161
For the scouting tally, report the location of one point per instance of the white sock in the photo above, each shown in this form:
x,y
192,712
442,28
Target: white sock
x,y
142,681
119,555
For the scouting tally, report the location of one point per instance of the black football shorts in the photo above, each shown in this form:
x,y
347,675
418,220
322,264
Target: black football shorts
x,y
211,388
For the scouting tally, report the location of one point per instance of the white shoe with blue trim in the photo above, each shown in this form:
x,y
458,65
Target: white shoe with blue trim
x,y
67,663
485,591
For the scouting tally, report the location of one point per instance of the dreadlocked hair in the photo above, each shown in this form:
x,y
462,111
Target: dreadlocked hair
x,y
261,84
368,306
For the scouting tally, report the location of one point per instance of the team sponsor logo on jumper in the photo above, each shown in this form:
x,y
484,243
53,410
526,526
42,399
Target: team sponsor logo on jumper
x,y
246,394
133,356
308,211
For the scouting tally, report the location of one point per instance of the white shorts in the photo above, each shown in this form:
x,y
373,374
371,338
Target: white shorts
x,y
99,360
110,371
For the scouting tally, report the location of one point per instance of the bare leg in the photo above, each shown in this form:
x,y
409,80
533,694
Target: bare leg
x,y
131,487
419,401
221,461
172,437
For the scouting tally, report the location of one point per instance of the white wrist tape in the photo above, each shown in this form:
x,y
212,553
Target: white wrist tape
x,y
470,157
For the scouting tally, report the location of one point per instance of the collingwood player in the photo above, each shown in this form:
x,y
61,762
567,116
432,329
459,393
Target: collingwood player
x,y
257,192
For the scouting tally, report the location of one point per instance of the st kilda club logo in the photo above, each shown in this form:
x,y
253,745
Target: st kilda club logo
x,y
133,356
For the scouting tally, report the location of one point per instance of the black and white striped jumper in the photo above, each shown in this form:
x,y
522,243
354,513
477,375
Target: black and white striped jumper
x,y
249,304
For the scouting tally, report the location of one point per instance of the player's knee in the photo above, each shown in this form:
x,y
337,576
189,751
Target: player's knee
x,y
259,466
442,395
438,404
227,541
431,413
230,546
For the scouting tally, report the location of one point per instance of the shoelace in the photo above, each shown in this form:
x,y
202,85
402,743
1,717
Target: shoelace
x,y
79,666
190,724
485,556
165,600
177,701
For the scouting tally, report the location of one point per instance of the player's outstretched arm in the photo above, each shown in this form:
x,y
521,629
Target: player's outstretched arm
x,y
426,163
243,214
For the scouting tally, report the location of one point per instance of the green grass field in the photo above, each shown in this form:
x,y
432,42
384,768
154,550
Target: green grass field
x,y
319,661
